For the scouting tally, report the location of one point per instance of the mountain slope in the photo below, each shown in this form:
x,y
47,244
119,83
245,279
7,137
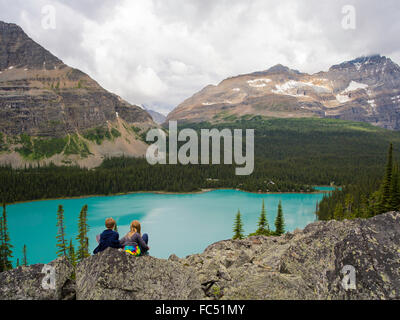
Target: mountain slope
x,y
366,89
157,117
44,101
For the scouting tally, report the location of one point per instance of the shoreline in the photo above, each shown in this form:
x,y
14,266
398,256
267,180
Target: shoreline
x,y
202,191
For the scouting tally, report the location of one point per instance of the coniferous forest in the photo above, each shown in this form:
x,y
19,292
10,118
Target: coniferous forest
x,y
291,155
365,198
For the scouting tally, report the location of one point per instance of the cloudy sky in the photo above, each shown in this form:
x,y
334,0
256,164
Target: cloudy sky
x,y
160,52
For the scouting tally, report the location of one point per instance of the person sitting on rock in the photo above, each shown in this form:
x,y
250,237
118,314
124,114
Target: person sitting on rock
x,y
109,237
134,243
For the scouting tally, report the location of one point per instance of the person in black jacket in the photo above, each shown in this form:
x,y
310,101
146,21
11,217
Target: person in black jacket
x,y
109,237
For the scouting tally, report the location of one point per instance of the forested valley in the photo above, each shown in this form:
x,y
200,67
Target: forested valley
x,y
291,155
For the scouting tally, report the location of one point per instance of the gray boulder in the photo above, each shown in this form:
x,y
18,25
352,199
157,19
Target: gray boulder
x,y
26,283
116,275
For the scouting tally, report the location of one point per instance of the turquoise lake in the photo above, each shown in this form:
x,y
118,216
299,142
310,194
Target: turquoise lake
x,y
176,223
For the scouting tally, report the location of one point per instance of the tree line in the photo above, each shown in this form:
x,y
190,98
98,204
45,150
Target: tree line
x,y
365,198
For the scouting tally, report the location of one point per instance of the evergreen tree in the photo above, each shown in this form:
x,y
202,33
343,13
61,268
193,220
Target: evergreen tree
x,y
115,227
384,205
71,254
394,201
25,260
338,214
316,210
61,244
279,221
238,227
263,225
364,209
17,263
83,240
2,255
349,213
5,245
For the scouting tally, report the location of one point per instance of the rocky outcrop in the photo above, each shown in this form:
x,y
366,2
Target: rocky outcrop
x,y
116,275
366,89
306,264
34,282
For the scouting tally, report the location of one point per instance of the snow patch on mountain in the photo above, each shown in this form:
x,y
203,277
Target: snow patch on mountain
x,y
208,103
354,86
291,88
258,83
342,98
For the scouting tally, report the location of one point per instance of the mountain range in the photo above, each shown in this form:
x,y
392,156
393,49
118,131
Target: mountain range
x,y
366,89
51,112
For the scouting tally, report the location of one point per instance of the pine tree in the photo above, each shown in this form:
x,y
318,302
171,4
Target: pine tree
x,y
279,221
17,265
364,210
316,210
238,227
115,228
61,244
25,260
83,228
384,205
338,214
394,201
71,254
263,226
349,200
5,245
2,255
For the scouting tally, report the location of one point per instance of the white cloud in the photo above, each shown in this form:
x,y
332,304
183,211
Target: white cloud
x,y
158,52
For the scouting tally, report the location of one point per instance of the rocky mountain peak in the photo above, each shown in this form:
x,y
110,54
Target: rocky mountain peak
x,y
279,68
276,69
17,50
376,62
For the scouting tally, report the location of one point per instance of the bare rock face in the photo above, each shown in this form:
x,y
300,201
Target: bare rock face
x,y
40,95
25,283
44,99
116,275
366,89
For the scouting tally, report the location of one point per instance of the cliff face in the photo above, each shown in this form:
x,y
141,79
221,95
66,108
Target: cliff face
x,y
365,89
306,264
42,97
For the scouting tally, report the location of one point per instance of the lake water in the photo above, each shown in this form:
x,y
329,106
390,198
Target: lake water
x,y
176,223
